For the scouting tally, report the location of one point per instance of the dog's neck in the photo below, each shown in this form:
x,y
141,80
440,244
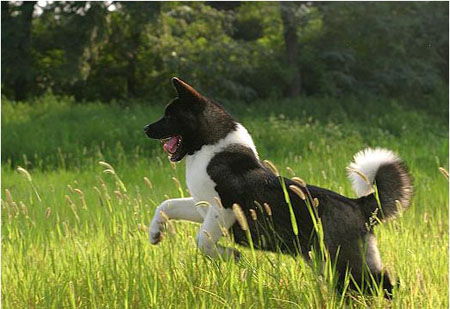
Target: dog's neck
x,y
200,185
239,135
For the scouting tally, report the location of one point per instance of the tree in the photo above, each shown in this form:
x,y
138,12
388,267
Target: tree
x,y
137,16
290,25
96,50
16,42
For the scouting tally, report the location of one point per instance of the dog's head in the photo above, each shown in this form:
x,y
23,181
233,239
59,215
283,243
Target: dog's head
x,y
189,122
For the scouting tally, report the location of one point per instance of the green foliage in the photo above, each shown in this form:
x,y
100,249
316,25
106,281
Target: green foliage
x,y
392,49
122,50
58,132
80,246
51,130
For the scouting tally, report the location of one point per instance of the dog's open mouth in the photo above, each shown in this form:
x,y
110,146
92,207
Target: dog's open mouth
x,y
171,144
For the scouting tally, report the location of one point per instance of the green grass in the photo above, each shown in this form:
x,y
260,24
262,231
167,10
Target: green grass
x,y
61,251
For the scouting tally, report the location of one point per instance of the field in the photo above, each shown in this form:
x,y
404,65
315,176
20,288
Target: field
x,y
75,236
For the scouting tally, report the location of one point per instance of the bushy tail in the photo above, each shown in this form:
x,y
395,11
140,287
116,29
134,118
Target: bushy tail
x,y
391,177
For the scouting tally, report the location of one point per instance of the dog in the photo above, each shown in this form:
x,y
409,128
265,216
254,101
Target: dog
x,y
223,169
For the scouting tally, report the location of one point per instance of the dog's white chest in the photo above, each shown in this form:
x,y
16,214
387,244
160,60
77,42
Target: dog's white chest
x,y
199,183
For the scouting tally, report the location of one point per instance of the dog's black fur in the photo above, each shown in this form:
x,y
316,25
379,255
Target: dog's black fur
x,y
242,179
198,120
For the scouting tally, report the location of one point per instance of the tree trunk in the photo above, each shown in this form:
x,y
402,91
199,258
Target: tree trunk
x,y
141,14
131,75
291,46
21,83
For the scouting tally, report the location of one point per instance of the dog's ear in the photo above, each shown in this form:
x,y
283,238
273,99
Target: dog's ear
x,y
184,90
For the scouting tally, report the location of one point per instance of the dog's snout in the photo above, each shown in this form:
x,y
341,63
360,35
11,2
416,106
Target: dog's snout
x,y
151,131
156,130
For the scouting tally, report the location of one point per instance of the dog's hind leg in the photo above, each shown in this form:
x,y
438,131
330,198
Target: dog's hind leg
x,y
369,275
375,266
383,277
173,209
216,222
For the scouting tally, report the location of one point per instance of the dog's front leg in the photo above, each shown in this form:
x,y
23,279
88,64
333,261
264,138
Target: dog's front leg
x,y
216,220
173,209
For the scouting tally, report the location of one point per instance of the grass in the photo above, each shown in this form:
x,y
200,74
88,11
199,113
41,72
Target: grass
x,y
72,237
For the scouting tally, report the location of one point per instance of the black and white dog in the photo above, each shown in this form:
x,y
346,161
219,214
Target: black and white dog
x,y
223,169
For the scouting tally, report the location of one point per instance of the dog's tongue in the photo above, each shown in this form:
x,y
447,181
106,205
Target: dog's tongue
x,y
171,145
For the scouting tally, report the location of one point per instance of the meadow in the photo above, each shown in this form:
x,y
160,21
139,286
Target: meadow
x,y
74,232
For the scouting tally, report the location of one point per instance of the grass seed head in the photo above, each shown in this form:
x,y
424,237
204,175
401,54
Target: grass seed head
x,y
297,191
244,274
109,171
224,231
119,196
106,165
202,203
272,167
177,182
8,196
268,209
70,188
79,192
68,200
219,202
127,198
207,234
444,172
240,217
25,173
316,202
173,165
253,215
149,184
300,181
107,196
24,209
97,190
373,219
14,209
364,177
100,179
290,170
48,212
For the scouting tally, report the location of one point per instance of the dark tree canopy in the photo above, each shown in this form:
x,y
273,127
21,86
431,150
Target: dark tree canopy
x,y
234,50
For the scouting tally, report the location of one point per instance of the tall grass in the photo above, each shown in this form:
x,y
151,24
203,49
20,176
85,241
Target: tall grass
x,y
74,236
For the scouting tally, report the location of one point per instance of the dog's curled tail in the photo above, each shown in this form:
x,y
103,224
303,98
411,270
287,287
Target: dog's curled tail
x,y
381,169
